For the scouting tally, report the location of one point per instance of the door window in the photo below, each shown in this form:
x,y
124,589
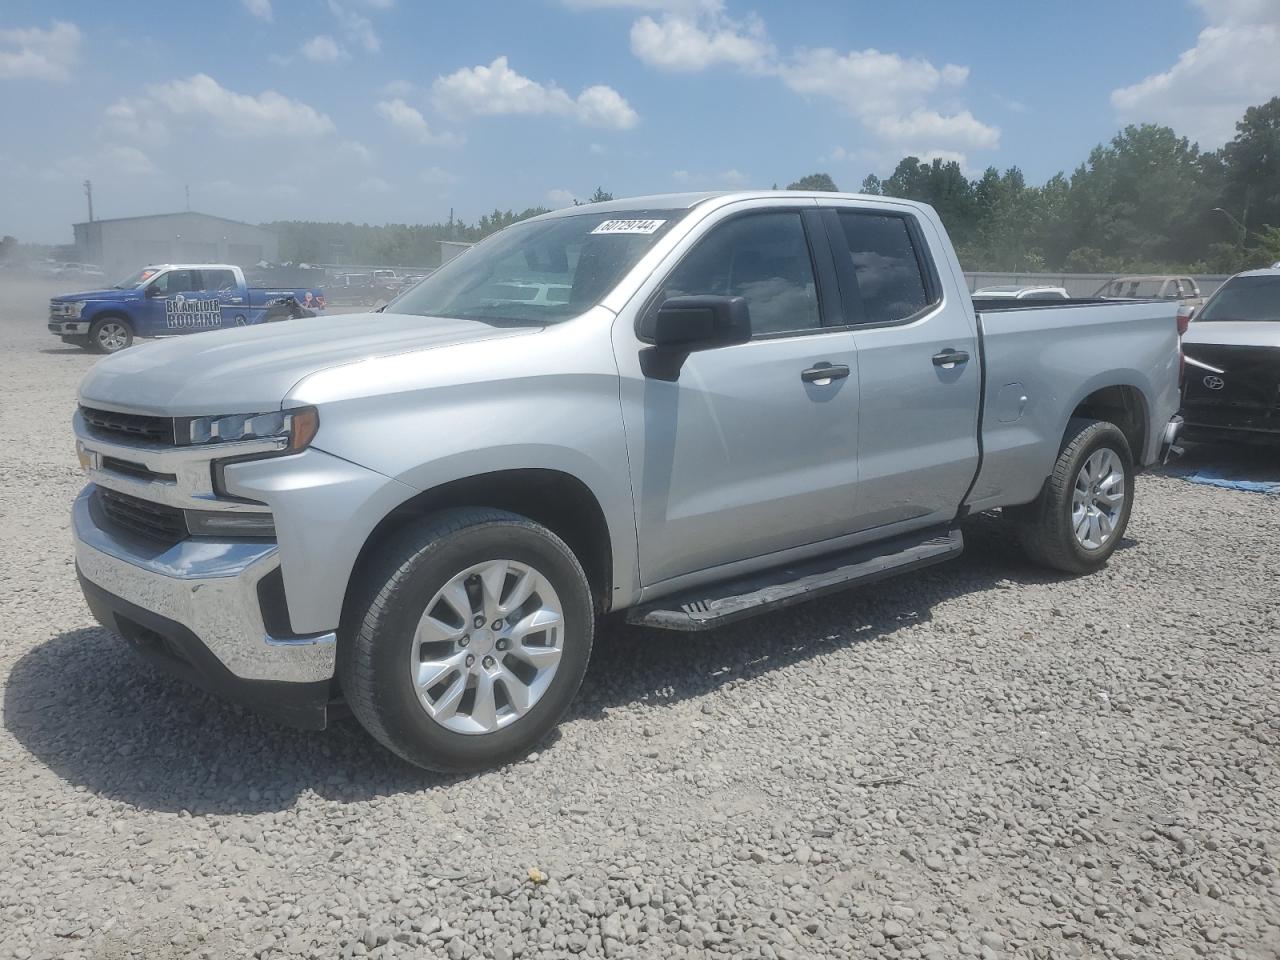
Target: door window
x,y
218,280
886,264
762,257
176,281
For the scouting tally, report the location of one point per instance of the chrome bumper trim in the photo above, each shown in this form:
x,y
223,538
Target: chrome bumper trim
x,y
209,587
190,465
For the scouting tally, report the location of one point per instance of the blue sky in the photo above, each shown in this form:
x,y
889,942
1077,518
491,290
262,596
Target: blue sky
x,y
398,110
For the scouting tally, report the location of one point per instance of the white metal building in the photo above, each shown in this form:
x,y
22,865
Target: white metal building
x,y
124,244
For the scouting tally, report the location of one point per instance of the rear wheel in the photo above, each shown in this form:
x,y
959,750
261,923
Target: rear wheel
x,y
1082,511
469,639
110,335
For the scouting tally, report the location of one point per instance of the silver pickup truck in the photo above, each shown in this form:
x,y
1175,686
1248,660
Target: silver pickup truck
x,y
685,409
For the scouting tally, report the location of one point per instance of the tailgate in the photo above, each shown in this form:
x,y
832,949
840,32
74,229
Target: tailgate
x,y
1246,395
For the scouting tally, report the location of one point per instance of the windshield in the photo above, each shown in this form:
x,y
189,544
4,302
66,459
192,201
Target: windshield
x,y
136,279
539,272
1245,298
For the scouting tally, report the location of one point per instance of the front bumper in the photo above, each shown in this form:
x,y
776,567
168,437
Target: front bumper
x,y
68,328
201,610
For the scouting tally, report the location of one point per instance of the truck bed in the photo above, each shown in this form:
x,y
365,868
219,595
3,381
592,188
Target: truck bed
x,y
1040,358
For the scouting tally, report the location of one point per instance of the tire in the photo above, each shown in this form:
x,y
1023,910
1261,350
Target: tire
x,y
1047,527
381,643
110,334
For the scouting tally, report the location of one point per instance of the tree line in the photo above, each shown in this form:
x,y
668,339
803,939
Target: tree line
x,y
1148,201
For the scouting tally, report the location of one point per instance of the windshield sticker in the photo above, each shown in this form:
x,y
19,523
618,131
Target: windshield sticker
x,y
629,226
181,312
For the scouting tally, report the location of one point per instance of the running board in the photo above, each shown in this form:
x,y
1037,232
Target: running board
x,y
715,605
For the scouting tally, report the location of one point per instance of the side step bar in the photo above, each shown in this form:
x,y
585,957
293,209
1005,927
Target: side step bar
x,y
715,605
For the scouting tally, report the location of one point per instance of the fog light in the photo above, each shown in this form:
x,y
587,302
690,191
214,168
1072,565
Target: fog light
x,y
219,523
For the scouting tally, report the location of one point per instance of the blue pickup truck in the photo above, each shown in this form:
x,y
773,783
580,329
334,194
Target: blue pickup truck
x,y
174,298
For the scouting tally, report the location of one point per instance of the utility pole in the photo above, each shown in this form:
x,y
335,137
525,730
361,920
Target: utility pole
x,y
88,192
187,186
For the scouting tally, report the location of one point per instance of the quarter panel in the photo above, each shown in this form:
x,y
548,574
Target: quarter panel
x,y
1060,355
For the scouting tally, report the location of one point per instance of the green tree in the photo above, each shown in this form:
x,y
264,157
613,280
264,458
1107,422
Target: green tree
x,y
815,181
1265,249
1251,168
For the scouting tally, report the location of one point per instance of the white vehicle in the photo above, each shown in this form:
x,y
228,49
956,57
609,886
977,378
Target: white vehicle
x,y
385,276
1014,292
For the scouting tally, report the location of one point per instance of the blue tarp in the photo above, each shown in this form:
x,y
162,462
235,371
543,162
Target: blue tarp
x,y
1213,478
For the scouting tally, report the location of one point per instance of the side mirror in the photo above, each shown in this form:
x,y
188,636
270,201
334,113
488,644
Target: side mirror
x,y
154,291
697,323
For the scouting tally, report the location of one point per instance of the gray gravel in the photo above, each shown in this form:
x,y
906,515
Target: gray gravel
x,y
982,760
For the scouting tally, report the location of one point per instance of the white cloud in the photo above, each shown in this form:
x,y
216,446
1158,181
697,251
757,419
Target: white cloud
x,y
200,97
560,197
35,54
260,9
438,175
355,150
496,89
892,97
128,160
868,82
357,28
125,121
398,88
928,126
1235,64
322,49
731,179
410,121
681,43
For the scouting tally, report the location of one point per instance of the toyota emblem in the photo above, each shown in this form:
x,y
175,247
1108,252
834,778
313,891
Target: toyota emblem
x,y
1214,383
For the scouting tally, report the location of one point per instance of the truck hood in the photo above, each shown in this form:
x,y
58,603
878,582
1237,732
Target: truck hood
x,y
112,294
251,369
1233,333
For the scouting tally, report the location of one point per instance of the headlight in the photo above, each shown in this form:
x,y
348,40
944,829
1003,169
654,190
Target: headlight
x,y
220,523
73,309
299,426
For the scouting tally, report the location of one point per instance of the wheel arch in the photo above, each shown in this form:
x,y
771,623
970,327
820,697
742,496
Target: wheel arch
x,y
1124,405
559,501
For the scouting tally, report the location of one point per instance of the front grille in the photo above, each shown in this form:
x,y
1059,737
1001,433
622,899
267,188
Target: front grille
x,y
137,470
113,426
155,521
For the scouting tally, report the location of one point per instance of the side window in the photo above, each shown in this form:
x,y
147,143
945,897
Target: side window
x,y
179,281
891,282
218,280
763,257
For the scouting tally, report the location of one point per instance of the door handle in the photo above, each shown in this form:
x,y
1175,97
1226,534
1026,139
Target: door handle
x,y
949,358
823,373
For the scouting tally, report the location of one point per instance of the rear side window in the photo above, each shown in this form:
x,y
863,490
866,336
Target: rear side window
x,y
892,284
218,280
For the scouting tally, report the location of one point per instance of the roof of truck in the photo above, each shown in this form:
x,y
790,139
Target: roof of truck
x,y
677,201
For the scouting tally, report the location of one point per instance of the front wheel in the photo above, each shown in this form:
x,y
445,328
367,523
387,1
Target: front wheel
x,y
1081,514
468,639
110,335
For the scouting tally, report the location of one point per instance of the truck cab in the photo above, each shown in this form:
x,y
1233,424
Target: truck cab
x,y
171,299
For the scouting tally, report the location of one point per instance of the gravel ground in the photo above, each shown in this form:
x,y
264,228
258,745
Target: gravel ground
x,y
979,760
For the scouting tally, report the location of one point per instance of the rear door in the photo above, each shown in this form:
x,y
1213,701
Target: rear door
x,y
920,372
218,285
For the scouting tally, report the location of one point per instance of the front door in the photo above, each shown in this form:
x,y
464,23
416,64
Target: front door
x,y
744,453
175,304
